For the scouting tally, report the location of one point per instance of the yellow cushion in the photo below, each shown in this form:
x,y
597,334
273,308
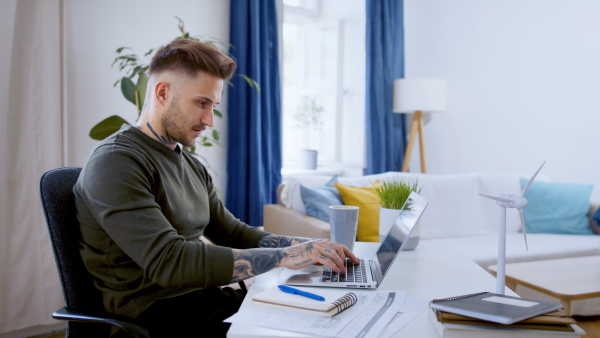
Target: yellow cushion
x,y
367,201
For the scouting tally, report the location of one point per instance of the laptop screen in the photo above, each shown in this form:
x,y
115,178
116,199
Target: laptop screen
x,y
402,231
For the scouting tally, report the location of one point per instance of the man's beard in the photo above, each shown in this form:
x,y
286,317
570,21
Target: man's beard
x,y
173,123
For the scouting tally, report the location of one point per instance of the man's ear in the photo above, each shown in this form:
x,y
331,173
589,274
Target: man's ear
x,y
162,90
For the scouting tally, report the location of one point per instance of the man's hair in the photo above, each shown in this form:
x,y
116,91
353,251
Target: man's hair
x,y
191,56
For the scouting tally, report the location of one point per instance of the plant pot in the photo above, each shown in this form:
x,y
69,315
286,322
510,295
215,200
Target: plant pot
x,y
308,159
387,217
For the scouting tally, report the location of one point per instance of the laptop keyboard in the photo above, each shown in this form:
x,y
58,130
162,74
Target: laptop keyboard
x,y
356,273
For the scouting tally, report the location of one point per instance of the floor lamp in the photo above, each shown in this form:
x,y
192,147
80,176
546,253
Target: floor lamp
x,y
418,96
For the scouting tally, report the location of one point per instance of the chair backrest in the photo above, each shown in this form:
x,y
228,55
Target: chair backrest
x,y
58,204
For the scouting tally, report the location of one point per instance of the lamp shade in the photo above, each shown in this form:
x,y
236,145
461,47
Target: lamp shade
x,y
427,95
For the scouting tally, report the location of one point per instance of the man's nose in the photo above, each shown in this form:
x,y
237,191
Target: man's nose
x,y
208,118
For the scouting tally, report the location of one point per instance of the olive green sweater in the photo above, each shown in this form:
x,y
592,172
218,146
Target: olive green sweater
x,y
142,208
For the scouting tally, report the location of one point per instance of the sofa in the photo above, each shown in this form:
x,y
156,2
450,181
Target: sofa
x,y
559,216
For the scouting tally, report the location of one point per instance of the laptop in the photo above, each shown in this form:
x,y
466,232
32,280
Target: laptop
x,y
369,272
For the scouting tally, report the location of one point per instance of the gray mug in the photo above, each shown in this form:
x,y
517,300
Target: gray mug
x,y
344,222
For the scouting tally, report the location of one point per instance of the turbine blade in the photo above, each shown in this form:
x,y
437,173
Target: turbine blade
x,y
531,179
495,198
523,227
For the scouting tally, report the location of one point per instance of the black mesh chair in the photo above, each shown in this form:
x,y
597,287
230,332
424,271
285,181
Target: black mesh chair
x,y
83,311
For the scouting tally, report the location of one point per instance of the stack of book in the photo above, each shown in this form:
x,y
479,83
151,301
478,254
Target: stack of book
x,y
493,315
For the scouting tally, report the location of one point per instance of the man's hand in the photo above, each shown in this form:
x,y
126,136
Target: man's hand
x,y
251,262
323,252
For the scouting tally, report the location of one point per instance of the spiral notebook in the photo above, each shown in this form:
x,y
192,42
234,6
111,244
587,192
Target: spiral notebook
x,y
494,307
335,301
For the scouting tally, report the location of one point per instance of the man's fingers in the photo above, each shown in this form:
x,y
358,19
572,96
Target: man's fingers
x,y
328,262
339,248
322,252
344,252
351,255
334,257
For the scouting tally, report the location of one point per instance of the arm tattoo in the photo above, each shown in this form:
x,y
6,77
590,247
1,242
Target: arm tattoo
x,y
276,241
249,263
253,262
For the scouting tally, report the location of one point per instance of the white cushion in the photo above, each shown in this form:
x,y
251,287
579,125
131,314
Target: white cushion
x,y
291,197
290,194
446,214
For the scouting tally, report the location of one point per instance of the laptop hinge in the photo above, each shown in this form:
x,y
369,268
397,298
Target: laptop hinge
x,y
374,270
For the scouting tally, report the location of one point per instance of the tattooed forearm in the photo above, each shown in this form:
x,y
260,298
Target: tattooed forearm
x,y
276,241
249,263
252,262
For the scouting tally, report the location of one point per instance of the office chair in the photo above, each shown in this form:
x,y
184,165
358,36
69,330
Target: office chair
x,y
83,311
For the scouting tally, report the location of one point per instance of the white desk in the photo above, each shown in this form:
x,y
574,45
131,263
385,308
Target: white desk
x,y
422,273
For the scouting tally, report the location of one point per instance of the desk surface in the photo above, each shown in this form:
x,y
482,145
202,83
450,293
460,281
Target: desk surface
x,y
423,273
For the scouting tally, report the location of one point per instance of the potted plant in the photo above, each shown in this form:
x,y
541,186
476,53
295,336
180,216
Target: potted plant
x,y
308,118
392,194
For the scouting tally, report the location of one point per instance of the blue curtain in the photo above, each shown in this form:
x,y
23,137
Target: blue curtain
x,y
386,131
254,116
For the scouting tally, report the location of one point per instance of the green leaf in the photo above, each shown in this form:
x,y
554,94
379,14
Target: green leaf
x,y
218,113
141,88
128,89
251,83
215,135
106,127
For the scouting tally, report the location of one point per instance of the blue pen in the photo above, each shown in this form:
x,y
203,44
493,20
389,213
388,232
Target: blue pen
x,y
291,290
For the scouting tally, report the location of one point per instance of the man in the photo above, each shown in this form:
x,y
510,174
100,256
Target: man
x,y
143,203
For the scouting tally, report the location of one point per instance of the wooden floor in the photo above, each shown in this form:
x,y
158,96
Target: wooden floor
x,y
591,325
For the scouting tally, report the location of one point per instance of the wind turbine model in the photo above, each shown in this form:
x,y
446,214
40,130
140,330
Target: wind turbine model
x,y
509,201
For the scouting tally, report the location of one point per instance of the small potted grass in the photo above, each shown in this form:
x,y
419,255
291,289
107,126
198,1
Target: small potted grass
x,y
393,193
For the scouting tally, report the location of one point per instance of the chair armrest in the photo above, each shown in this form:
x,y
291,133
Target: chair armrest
x,y
593,224
289,222
125,323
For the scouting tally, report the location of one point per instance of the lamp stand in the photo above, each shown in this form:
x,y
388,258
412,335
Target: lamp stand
x,y
415,126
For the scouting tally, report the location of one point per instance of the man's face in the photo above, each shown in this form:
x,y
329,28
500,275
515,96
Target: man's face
x,y
191,109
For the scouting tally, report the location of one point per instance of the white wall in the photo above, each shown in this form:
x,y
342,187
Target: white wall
x,y
523,76
95,29
524,85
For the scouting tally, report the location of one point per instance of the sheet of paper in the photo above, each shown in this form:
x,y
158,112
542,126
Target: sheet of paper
x,y
374,317
375,308
410,310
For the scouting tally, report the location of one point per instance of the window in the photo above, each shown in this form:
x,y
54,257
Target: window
x,y
324,65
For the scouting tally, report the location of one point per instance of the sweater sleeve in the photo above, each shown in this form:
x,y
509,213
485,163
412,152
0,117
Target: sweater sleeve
x,y
118,189
224,228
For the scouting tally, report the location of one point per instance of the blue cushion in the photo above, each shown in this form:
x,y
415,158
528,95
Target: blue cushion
x,y
317,201
557,208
